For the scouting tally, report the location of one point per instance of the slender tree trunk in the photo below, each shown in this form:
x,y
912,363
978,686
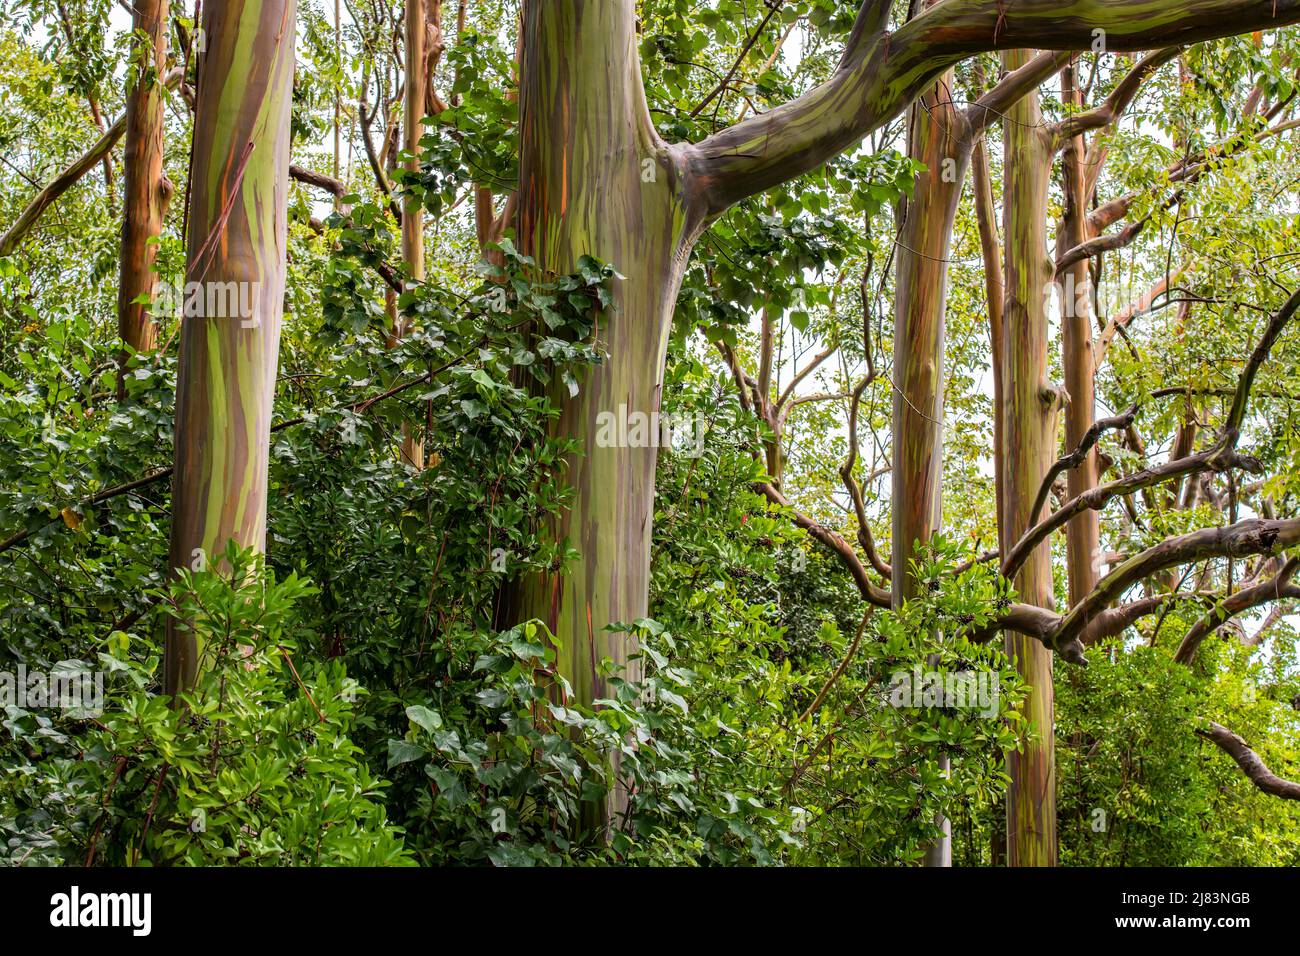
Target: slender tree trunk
x,y
991,253
338,100
237,237
146,188
938,137
1083,533
596,179
1028,411
412,451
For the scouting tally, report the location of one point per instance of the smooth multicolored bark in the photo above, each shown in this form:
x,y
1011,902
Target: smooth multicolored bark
x,y
412,130
146,190
937,138
237,240
1028,418
595,179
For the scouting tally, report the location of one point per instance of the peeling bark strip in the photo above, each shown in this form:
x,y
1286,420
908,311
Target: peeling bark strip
x,y
1249,762
238,233
146,189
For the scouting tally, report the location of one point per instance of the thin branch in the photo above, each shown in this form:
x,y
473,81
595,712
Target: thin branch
x,y
843,665
774,7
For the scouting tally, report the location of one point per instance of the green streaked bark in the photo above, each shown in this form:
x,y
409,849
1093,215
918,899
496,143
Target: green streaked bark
x,y
237,234
596,179
1028,412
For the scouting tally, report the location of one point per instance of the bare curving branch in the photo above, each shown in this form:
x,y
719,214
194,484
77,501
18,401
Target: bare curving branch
x,y
1250,763
1276,588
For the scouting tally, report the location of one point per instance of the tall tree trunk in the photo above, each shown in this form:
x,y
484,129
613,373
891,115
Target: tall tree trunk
x,y
146,188
413,213
942,138
596,179
991,254
1083,533
938,137
237,237
338,100
1028,412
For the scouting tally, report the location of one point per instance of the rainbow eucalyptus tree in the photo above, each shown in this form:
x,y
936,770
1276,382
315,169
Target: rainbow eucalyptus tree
x,y
1028,411
235,278
595,178
1028,408
942,138
146,188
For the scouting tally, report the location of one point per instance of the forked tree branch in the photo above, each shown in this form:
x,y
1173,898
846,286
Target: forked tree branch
x,y
1115,105
1245,538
